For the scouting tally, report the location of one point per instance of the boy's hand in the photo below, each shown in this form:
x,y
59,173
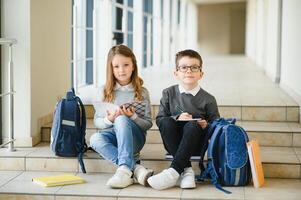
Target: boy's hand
x,y
112,115
203,123
127,111
184,116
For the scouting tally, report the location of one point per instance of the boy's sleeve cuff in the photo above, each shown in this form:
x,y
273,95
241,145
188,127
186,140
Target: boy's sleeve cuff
x,y
107,121
134,116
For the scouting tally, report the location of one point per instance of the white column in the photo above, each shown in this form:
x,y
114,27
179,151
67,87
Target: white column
x,y
16,24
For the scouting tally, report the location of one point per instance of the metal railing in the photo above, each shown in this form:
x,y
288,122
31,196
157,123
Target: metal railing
x,y
10,93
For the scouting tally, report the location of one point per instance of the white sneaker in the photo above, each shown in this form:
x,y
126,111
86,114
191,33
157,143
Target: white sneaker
x,y
141,174
166,179
187,178
122,178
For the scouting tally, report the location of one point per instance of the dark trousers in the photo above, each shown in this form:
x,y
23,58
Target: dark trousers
x,y
182,140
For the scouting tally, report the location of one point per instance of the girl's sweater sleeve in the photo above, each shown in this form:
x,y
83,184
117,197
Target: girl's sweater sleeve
x,y
144,122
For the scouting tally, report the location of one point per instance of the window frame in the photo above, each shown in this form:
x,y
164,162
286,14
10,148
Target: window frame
x,y
79,49
148,53
126,9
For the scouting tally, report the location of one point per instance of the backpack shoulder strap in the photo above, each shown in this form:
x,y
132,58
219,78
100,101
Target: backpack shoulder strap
x,y
83,132
211,170
208,135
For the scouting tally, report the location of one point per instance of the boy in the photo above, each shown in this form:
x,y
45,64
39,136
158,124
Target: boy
x,y
184,115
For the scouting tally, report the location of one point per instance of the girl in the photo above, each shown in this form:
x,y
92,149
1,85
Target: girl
x,y
123,130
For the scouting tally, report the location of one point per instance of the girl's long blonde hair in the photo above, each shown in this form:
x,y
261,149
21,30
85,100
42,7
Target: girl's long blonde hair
x,y
137,82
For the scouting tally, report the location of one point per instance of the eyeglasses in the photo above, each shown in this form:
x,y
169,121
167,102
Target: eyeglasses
x,y
193,68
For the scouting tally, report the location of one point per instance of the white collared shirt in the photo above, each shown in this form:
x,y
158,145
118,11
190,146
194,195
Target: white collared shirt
x,y
128,87
193,92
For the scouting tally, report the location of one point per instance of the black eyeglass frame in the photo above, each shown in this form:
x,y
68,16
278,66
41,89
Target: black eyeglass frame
x,y
193,68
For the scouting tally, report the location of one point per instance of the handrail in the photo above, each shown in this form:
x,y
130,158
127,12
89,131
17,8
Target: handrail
x,y
10,94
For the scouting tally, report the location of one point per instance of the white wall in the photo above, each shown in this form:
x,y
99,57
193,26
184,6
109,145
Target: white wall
x,y
16,24
290,56
263,36
272,39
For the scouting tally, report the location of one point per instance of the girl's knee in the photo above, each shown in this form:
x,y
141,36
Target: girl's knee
x,y
121,119
97,139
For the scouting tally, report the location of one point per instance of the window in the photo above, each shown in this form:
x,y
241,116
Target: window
x,y
179,11
147,33
82,42
122,15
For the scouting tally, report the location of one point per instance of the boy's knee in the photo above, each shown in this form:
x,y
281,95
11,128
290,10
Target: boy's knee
x,y
191,125
166,122
192,128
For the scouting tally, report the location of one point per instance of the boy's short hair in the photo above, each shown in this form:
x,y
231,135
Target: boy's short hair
x,y
190,53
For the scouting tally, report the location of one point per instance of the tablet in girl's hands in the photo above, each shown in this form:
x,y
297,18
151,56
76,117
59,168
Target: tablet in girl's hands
x,y
139,107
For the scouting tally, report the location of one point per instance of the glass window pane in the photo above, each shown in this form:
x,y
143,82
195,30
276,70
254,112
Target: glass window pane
x,y
89,72
144,43
144,60
130,21
145,5
144,25
118,19
89,43
130,3
89,10
120,1
130,40
118,37
148,6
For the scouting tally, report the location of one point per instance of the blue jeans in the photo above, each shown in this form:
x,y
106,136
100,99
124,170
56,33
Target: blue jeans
x,y
121,143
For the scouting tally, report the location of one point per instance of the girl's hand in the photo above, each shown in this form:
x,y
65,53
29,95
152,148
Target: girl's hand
x,y
184,116
203,123
112,115
127,111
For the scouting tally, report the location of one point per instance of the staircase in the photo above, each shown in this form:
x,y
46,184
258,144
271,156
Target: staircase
x,y
273,122
278,133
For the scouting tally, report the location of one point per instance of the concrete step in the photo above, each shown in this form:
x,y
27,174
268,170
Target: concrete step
x,y
288,113
278,162
18,185
287,134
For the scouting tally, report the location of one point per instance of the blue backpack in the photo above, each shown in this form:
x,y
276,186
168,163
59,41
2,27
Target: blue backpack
x,y
69,128
227,155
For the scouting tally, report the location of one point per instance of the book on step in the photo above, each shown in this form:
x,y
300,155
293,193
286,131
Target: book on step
x,y
255,162
64,179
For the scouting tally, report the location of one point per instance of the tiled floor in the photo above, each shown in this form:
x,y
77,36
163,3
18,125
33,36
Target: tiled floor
x,y
233,80
19,183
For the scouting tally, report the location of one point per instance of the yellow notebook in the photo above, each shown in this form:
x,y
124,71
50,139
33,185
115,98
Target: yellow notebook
x,y
255,162
64,179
